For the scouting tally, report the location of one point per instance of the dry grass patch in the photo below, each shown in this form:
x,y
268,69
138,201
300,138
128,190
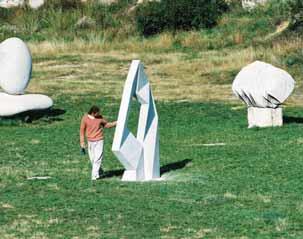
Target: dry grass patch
x,y
82,68
7,206
264,198
281,224
12,170
230,195
23,225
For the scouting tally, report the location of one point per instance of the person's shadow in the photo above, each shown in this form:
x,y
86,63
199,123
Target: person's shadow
x,y
164,169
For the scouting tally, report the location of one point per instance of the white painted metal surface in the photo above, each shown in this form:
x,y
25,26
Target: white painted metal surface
x,y
139,155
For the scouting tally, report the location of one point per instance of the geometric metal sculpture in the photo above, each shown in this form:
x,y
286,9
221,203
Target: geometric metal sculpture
x,y
139,155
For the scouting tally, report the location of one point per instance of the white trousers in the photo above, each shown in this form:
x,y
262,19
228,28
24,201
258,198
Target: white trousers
x,y
95,152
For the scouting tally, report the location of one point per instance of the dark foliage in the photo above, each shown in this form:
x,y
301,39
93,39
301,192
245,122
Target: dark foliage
x,y
63,4
296,12
156,17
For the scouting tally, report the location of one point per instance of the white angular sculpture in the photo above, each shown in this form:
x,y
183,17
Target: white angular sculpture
x,y
261,85
15,74
15,66
139,155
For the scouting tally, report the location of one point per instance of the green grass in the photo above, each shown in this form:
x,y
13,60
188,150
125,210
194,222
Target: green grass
x,y
248,185
249,188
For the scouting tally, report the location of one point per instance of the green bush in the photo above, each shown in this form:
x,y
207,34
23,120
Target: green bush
x,y
6,14
62,4
155,17
296,13
278,11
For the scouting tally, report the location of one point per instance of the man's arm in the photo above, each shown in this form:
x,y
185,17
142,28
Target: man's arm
x,y
109,124
82,133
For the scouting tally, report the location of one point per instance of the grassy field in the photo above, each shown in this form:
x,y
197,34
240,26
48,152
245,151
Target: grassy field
x,y
246,185
219,179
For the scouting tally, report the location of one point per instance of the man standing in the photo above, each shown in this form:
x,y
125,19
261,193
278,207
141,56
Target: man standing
x,y
92,125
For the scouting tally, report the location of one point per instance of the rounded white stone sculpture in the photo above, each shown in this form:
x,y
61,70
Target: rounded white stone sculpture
x,y
262,85
15,104
35,4
15,66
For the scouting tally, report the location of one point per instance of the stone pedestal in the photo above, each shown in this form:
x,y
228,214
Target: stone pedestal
x,y
264,117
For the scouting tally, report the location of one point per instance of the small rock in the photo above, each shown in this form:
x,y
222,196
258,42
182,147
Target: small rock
x,y
39,178
143,1
27,119
11,3
106,2
85,22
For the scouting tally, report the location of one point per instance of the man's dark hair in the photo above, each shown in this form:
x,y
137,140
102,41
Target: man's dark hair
x,y
94,109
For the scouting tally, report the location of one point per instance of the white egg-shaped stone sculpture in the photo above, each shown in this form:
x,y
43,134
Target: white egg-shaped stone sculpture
x,y
14,104
262,85
15,66
35,4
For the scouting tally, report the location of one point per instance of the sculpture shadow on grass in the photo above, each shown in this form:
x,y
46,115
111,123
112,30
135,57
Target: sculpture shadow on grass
x,y
174,166
292,120
48,115
164,169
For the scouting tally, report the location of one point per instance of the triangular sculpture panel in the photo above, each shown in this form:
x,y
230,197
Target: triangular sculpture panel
x,y
139,155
